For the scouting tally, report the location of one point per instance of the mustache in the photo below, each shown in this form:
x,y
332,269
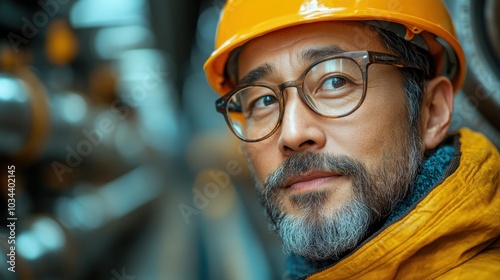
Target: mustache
x,y
299,164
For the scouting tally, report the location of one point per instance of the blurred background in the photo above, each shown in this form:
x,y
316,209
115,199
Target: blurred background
x,y
123,169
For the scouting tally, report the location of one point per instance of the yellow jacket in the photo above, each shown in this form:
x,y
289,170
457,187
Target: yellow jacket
x,y
453,233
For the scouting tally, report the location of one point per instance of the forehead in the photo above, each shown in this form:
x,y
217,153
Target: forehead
x,y
291,42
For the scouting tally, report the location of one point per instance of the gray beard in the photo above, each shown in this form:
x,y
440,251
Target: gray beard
x,y
324,236
319,235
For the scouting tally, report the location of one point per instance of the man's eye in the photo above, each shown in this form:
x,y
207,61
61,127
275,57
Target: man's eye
x,y
264,101
333,83
260,107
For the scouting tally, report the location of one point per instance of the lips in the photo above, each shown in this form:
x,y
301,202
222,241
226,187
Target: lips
x,y
310,180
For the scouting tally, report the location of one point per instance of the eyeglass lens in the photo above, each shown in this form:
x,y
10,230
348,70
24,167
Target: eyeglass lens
x,y
331,88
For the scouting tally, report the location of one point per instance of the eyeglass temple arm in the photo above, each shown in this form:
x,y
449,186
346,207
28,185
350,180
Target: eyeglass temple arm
x,y
383,58
220,106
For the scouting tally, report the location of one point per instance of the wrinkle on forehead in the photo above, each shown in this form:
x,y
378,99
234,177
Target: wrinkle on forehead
x,y
302,44
306,56
315,54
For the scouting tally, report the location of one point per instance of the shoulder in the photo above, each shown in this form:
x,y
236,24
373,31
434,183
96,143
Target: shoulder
x,y
485,265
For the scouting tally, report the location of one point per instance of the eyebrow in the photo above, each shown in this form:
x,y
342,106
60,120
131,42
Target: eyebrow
x,y
312,55
258,74
309,55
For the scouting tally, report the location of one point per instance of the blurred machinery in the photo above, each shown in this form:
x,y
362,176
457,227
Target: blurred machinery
x,y
478,28
89,117
123,168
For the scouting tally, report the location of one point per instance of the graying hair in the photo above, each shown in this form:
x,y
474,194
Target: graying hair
x,y
414,81
320,235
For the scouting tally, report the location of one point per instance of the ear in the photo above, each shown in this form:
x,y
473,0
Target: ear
x,y
436,111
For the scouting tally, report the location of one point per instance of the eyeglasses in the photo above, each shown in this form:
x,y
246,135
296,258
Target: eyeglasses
x,y
332,87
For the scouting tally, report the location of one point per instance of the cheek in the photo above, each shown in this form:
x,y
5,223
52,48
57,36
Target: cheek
x,y
376,131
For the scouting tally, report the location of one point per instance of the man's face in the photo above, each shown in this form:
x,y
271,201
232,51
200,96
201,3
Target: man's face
x,y
324,182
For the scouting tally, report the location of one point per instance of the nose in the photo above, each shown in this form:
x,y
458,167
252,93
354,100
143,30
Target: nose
x,y
300,128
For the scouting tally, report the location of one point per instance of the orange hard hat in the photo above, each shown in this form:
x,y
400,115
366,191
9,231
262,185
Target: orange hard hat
x,y
427,20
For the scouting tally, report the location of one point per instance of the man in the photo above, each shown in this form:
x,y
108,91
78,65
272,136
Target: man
x,y
343,109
